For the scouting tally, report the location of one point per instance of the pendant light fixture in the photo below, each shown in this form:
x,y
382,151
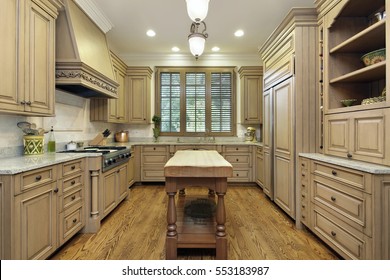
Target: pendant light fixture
x,y
197,9
197,39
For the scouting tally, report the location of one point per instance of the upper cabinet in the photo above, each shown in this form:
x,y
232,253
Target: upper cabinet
x,y
251,80
352,29
112,110
138,80
348,31
27,56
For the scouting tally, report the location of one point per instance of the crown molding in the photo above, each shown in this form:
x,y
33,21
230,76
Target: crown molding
x,y
97,16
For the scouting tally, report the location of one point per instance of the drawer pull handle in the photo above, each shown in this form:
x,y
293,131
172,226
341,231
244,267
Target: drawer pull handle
x,y
237,174
38,178
333,198
303,195
73,182
56,190
236,149
73,197
74,221
303,206
303,175
333,233
236,159
73,167
334,173
303,216
154,148
349,155
303,185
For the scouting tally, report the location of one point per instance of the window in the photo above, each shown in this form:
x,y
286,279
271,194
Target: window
x,y
196,101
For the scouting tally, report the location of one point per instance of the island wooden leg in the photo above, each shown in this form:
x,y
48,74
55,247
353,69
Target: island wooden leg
x,y
220,235
171,239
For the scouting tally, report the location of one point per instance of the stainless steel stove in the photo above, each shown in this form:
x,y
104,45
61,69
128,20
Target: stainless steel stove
x,y
112,156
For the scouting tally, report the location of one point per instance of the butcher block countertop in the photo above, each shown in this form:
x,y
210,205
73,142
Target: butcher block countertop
x,y
198,164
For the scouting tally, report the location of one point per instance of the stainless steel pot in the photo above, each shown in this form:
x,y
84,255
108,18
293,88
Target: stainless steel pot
x,y
122,136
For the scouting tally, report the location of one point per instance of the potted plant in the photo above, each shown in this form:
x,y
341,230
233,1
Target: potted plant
x,y
156,130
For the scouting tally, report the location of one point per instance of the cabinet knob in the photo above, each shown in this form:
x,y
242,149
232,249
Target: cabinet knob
x,y
73,167
56,190
28,103
349,155
237,159
334,173
333,198
303,195
23,102
303,206
38,178
303,216
73,182
73,197
74,221
333,233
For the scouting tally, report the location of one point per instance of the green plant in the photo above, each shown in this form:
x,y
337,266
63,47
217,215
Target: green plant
x,y
156,120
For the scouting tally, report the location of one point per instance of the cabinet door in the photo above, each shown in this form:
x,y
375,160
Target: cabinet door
x,y
138,90
284,187
267,142
36,223
39,64
252,88
122,182
337,134
260,170
130,171
9,86
117,107
109,191
267,169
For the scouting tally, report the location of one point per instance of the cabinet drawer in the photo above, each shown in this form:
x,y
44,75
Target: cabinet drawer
x,y
238,148
349,205
348,176
239,159
153,175
196,147
241,175
154,159
70,223
72,198
34,178
349,243
154,149
72,182
72,167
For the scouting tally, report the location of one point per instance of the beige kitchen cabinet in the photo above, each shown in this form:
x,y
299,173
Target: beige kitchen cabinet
x,y
359,135
290,103
27,53
348,31
114,188
241,158
112,110
138,90
71,218
348,207
259,166
131,168
153,160
251,81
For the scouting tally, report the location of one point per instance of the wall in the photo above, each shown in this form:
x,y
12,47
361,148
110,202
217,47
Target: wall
x,y
71,121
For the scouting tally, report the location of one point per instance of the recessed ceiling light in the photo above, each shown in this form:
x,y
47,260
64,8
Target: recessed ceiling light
x,y
175,49
215,49
239,33
150,33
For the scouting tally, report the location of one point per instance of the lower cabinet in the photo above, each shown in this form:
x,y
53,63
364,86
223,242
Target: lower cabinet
x,y
348,209
114,188
153,160
241,158
41,209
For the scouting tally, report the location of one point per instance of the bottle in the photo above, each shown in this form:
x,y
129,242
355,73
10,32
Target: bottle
x,y
51,144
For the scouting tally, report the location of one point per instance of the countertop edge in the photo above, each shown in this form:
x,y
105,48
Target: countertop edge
x,y
353,164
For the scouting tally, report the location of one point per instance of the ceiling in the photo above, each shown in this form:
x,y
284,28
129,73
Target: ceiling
x,y
130,19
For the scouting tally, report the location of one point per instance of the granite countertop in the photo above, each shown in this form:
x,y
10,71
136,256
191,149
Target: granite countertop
x,y
15,165
353,164
19,164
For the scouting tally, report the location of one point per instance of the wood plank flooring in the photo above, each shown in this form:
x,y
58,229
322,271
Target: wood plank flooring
x,y
256,229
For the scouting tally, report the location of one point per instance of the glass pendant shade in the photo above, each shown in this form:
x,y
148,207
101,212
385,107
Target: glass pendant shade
x,y
197,43
197,9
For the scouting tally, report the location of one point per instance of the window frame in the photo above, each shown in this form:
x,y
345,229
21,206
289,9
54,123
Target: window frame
x,y
208,71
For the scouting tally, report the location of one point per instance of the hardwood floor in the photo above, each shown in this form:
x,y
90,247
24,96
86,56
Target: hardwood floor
x,y
256,229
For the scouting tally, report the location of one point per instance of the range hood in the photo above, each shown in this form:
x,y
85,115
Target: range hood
x,y
83,62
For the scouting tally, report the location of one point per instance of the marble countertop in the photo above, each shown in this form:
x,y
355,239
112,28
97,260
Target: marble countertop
x,y
354,164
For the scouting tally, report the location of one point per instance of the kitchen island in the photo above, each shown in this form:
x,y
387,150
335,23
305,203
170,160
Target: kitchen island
x,y
196,168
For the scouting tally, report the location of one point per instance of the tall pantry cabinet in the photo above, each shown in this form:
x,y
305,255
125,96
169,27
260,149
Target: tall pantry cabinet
x,y
290,103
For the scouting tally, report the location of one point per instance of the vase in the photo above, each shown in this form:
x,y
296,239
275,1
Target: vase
x,y
156,134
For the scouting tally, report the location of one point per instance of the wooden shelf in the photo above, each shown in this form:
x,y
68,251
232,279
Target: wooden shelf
x,y
372,38
355,108
360,8
366,74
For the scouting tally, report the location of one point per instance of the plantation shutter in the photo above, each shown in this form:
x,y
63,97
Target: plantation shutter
x,y
221,102
170,102
195,102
